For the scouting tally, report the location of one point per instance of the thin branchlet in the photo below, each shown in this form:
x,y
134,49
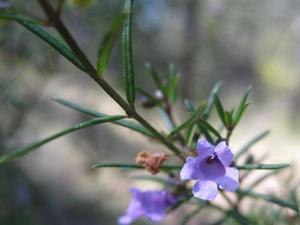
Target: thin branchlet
x,y
91,71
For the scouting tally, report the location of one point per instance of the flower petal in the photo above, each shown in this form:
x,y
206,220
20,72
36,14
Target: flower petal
x,y
127,219
230,182
156,217
190,170
134,209
135,192
205,190
155,204
224,153
204,148
211,170
133,212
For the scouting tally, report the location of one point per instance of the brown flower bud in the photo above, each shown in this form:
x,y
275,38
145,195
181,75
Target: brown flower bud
x,y
151,162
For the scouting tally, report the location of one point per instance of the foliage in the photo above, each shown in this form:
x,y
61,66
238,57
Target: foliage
x,y
181,140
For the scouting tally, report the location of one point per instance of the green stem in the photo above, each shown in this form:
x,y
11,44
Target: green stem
x,y
169,112
66,35
162,139
130,111
229,133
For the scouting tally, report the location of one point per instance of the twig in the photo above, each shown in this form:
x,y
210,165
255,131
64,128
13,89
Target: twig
x,y
130,111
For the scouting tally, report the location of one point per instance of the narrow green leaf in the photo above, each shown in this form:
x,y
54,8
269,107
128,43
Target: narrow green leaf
x,y
191,215
127,53
242,107
269,198
250,143
244,98
35,28
17,16
220,110
257,161
239,115
156,101
133,166
294,193
157,80
192,131
189,106
55,43
202,126
210,102
228,118
207,127
238,217
276,214
207,135
190,134
259,166
166,119
108,43
25,150
171,86
118,165
193,118
124,122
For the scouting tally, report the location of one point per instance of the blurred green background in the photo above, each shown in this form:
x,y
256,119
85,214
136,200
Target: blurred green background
x,y
239,42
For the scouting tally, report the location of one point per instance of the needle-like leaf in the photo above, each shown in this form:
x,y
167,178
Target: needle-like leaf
x,y
127,53
33,25
250,143
220,110
193,119
107,44
155,77
210,102
269,198
241,108
25,150
259,166
132,166
124,122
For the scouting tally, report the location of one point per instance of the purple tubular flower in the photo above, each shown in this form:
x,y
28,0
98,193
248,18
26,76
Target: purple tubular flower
x,y
151,204
211,168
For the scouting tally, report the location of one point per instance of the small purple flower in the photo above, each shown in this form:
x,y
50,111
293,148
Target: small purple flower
x,y
212,169
151,204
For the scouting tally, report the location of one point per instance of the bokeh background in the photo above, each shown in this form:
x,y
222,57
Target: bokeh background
x,y
240,42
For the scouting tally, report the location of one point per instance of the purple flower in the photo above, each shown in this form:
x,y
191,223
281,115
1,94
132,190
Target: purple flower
x,y
212,169
151,204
